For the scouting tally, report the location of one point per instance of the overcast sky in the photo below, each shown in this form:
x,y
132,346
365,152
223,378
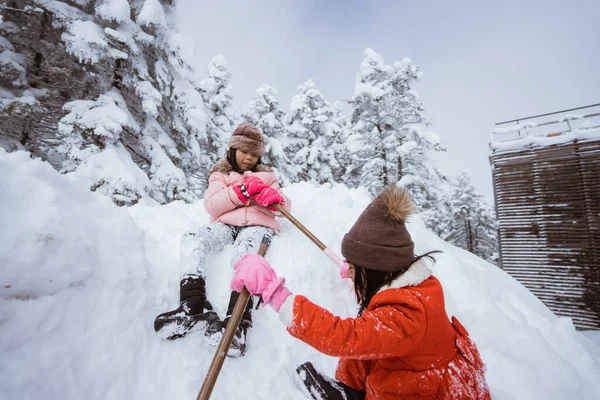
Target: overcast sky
x,y
483,61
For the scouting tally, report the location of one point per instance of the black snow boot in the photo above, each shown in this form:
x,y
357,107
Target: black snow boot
x,y
238,345
193,308
319,387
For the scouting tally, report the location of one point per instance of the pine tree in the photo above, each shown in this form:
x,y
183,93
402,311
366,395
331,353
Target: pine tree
x,y
471,224
92,132
216,92
215,126
384,111
36,76
264,112
421,176
339,148
109,87
312,134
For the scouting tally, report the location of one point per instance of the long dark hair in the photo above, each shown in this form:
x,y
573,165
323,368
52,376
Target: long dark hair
x,y
367,282
230,156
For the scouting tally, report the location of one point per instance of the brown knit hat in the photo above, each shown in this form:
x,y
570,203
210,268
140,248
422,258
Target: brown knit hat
x,y
379,239
247,138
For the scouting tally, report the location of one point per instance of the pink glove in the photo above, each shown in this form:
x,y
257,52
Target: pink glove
x,y
268,196
250,187
255,273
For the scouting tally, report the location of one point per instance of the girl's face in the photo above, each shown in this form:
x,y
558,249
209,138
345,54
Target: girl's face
x,y
245,161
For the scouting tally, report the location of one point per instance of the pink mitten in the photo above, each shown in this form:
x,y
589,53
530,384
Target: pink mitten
x,y
241,192
255,273
251,186
267,197
254,185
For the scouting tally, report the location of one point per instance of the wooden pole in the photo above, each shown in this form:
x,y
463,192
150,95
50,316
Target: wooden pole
x,y
294,221
336,260
240,306
232,325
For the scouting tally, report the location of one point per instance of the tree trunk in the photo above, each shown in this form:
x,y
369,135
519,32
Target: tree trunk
x,y
399,168
469,236
117,80
400,171
384,157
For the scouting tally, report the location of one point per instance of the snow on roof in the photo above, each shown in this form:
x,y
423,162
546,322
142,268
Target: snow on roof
x,y
566,128
550,139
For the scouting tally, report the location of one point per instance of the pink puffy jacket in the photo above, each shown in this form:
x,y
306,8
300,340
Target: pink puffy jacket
x,y
223,205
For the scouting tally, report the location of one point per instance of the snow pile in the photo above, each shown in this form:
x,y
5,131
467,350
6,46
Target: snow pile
x,y
82,280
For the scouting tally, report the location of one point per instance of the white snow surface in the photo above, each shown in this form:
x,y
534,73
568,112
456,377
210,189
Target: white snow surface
x,y
5,44
114,10
81,281
585,132
16,60
152,13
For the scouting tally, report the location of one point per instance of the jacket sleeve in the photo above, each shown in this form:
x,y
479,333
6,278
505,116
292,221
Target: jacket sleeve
x,y
387,331
219,198
353,372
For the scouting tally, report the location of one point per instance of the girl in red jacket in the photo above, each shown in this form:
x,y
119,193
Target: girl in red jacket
x,y
238,199
402,345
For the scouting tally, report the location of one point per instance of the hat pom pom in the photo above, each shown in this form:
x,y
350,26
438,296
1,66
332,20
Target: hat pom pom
x,y
398,202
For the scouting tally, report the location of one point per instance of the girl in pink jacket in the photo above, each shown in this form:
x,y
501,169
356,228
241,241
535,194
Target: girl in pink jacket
x,y
241,192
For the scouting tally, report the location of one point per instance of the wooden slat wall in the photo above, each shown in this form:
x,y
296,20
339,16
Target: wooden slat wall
x,y
548,208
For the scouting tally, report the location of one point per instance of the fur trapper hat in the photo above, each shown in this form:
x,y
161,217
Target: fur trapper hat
x,y
379,239
247,138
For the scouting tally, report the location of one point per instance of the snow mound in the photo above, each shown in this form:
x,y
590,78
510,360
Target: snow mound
x,y
82,280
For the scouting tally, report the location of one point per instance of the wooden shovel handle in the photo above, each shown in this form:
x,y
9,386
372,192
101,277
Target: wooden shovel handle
x,y
232,325
294,221
332,256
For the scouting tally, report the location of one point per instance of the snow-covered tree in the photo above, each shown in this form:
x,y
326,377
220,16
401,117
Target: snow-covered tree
x,y
35,76
384,112
421,176
471,223
92,132
312,134
339,145
114,76
216,92
189,123
264,111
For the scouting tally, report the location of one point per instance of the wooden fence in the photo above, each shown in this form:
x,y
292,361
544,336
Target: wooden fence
x,y
548,208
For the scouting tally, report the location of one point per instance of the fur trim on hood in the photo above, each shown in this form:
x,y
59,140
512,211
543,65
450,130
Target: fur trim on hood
x,y
416,274
224,167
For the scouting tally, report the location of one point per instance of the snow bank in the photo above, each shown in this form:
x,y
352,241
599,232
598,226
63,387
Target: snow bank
x,y
82,280
73,298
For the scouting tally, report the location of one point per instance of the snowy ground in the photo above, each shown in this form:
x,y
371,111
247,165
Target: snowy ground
x,y
594,336
81,281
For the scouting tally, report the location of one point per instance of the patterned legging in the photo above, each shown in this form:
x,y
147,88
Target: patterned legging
x,y
195,246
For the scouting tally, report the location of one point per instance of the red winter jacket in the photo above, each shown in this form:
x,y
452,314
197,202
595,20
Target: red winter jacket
x,y
402,347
